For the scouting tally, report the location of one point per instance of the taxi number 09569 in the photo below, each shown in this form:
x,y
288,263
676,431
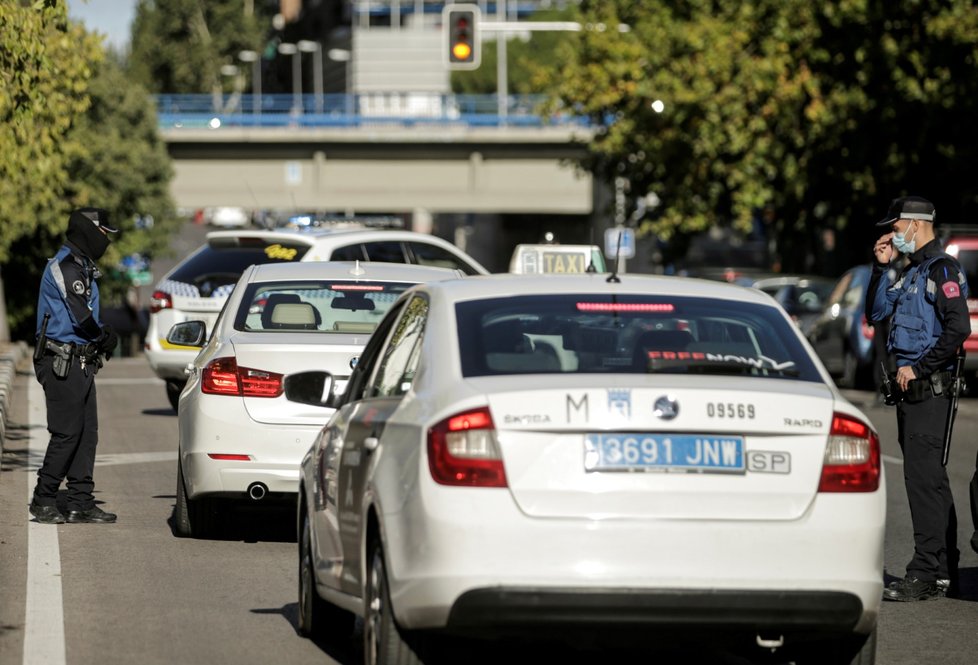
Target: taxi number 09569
x,y
729,410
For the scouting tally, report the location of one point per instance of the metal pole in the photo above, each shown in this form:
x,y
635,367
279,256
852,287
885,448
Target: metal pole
x,y
297,81
502,75
317,65
256,86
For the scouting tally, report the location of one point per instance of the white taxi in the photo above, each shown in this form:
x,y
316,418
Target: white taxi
x,y
240,439
664,454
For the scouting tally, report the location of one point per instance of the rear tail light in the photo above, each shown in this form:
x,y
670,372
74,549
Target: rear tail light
x,y
223,377
852,457
160,300
462,450
866,329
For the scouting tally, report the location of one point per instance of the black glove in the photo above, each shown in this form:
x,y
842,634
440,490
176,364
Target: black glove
x,y
107,340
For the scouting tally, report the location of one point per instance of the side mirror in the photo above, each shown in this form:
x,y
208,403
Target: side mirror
x,y
312,388
188,333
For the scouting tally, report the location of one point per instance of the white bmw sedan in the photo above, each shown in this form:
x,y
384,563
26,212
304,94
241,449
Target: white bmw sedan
x,y
661,454
239,436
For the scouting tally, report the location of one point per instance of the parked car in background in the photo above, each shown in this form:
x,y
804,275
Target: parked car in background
x,y
801,296
843,338
197,287
961,242
240,439
555,452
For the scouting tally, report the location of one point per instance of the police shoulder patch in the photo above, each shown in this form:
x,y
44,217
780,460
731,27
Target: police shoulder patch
x,y
951,289
78,287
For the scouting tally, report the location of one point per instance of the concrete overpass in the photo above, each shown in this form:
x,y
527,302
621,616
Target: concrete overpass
x,y
395,166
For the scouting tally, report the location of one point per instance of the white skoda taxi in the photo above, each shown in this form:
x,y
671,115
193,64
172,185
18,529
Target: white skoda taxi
x,y
660,454
239,436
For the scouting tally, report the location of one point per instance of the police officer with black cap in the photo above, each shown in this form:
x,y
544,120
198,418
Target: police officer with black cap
x,y
929,324
71,343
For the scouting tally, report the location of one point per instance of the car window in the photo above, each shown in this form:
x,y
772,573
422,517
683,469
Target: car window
x,y
854,295
399,360
333,306
633,333
213,266
349,253
388,251
840,289
439,257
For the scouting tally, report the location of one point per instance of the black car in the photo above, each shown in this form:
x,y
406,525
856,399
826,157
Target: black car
x,y
848,345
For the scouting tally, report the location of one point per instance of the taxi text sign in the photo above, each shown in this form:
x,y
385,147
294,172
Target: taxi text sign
x,y
627,242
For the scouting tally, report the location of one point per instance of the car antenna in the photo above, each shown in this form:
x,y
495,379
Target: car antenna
x,y
613,277
357,270
590,266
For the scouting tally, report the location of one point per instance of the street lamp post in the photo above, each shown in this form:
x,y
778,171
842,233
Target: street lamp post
x,y
307,46
291,49
252,57
343,55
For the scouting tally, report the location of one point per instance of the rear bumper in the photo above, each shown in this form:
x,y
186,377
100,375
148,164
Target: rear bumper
x,y
503,609
170,363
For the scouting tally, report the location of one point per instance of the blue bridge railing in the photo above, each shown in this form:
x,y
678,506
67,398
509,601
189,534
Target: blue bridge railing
x,y
360,110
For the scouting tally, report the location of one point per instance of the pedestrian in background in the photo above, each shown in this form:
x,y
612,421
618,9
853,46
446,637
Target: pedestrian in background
x,y
929,324
71,340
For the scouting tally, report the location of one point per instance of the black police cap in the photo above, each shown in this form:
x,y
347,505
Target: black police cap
x,y
909,207
97,216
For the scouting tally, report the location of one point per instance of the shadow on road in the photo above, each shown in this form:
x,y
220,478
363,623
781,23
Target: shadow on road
x,y
270,523
158,412
345,650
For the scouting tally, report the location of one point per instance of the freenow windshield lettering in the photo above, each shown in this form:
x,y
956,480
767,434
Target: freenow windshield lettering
x,y
759,362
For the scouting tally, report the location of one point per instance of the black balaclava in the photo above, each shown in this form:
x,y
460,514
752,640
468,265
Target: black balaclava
x,y
85,235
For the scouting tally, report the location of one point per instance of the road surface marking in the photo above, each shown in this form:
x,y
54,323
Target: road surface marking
x,y
129,382
114,459
44,623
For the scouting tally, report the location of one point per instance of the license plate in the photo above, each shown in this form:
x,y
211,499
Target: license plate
x,y
695,453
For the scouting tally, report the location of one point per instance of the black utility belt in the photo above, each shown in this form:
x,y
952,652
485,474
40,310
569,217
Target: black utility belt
x,y
938,384
87,351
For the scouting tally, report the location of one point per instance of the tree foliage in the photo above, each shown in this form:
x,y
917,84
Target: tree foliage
x,y
818,113
45,65
179,46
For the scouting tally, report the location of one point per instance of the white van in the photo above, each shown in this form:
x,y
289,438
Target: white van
x,y
530,259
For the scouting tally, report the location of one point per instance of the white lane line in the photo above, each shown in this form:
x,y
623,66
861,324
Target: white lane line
x,y
892,460
114,459
130,382
44,624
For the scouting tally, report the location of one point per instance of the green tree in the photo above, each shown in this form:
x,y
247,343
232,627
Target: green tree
x,y
816,112
179,46
45,65
116,161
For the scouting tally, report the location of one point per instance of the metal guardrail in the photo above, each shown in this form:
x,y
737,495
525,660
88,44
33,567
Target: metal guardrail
x,y
340,110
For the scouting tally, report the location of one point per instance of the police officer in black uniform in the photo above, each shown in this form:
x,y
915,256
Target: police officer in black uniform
x,y
70,346
928,326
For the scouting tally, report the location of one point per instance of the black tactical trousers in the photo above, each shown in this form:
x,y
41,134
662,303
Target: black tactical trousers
x,y
73,425
921,431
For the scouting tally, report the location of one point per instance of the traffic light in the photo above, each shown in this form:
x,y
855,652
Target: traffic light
x,y
463,48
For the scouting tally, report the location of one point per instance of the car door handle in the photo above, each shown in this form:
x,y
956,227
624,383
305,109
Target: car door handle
x,y
371,443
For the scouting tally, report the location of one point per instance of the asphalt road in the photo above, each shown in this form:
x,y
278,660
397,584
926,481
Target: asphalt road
x,y
133,592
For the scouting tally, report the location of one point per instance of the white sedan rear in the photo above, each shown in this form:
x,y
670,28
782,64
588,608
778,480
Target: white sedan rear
x,y
240,438
557,452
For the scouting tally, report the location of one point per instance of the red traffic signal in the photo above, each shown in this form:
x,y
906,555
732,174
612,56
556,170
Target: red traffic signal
x,y
462,43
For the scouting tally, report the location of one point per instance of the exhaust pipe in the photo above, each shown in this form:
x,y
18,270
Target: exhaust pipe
x,y
257,491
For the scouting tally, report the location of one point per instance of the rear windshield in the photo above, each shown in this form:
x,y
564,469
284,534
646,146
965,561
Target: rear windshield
x,y
334,306
216,265
582,334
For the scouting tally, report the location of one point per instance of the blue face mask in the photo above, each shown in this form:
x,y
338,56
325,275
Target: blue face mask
x,y
903,245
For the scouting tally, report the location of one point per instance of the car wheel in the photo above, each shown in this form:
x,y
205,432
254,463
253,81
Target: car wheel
x,y
850,368
383,641
317,618
194,518
173,390
181,511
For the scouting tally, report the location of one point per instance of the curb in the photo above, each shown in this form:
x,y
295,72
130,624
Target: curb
x,y
10,356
